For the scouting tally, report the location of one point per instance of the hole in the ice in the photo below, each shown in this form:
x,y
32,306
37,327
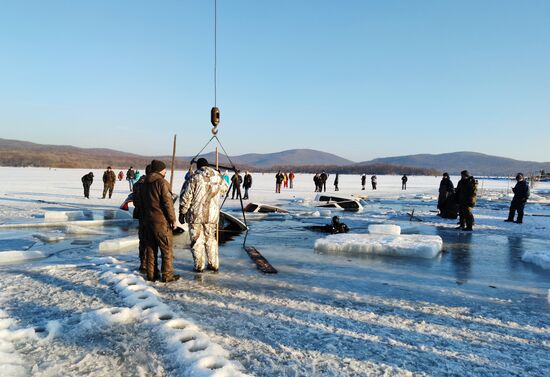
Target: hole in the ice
x,y
148,306
198,348
131,283
39,329
115,311
215,366
166,317
186,339
142,297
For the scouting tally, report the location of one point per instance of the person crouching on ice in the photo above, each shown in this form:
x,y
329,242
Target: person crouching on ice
x,y
200,207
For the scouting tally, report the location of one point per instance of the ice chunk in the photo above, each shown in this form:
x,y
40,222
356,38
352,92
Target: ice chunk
x,y
14,256
51,216
76,229
49,237
539,257
390,229
409,245
119,244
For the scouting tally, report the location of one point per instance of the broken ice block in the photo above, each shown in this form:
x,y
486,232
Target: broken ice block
x,y
119,244
390,229
408,245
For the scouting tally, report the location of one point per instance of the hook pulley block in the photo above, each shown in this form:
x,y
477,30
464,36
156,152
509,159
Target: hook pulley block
x,y
215,116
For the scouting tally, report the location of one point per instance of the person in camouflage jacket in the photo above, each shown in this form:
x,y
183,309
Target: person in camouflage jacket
x,y
199,206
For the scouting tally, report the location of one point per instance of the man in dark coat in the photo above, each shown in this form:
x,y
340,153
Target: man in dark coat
x,y
323,181
363,181
157,213
373,181
109,179
521,194
131,177
317,182
445,202
236,181
466,195
279,178
87,181
336,183
138,187
247,184
404,180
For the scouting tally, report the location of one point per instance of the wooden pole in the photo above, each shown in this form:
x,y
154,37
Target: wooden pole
x,y
173,163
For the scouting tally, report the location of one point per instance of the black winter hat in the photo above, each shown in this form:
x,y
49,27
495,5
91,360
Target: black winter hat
x,y
157,166
519,176
202,162
148,169
465,173
446,174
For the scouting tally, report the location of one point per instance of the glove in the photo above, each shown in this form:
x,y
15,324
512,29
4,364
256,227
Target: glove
x,y
182,218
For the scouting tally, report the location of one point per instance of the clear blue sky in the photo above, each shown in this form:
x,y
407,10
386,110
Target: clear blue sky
x,y
361,79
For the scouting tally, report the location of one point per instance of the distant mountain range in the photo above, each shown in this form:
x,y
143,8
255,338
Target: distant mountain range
x,y
23,153
476,163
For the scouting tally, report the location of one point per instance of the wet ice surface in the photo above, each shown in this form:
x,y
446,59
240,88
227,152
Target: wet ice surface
x,y
477,309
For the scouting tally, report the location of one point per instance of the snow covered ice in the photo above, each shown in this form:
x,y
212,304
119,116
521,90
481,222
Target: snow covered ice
x,y
481,307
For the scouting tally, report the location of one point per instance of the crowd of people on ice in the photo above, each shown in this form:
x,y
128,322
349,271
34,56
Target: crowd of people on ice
x,y
199,207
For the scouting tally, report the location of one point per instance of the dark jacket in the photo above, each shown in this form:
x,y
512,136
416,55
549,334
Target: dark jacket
x,y
404,179
247,182
279,178
236,180
156,202
88,179
130,174
363,179
138,188
336,179
466,192
446,185
109,176
323,177
521,192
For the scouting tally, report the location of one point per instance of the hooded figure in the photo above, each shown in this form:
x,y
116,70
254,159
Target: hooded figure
x,y
521,194
87,181
200,207
446,203
466,196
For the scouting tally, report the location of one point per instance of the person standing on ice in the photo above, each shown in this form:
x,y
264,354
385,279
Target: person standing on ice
x,y
521,194
279,178
317,182
109,180
236,181
120,175
87,181
157,214
200,207
404,180
373,181
466,195
247,184
323,181
291,179
363,181
138,187
130,177
336,183
445,202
